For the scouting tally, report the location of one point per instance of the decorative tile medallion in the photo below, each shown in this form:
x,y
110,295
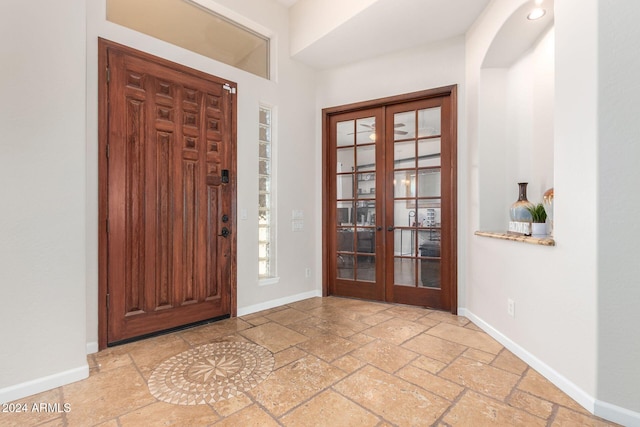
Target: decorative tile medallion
x,y
210,373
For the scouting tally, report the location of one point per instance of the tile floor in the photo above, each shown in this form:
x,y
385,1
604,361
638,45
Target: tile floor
x,y
337,362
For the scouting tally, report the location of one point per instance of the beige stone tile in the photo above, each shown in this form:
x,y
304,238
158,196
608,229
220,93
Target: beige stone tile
x,y
476,410
428,364
226,407
396,400
443,316
376,318
530,403
165,414
208,333
113,357
327,347
348,363
336,325
479,355
329,409
509,362
435,348
257,321
361,339
288,316
292,384
287,356
384,355
273,336
106,395
427,321
407,312
253,416
28,410
93,364
464,336
311,327
147,357
473,327
262,313
309,304
430,382
536,384
482,378
396,330
568,418
110,423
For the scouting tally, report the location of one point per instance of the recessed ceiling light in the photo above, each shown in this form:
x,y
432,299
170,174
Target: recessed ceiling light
x,y
536,13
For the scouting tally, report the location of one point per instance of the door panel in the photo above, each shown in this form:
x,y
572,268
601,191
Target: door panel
x,y
416,158
170,134
356,245
390,226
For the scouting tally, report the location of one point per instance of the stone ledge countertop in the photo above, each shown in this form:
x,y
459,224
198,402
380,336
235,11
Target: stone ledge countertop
x,y
543,241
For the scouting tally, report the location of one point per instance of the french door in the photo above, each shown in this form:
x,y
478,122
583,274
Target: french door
x,y
390,200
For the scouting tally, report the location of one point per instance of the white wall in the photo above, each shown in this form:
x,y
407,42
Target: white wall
x,y
554,288
42,197
618,205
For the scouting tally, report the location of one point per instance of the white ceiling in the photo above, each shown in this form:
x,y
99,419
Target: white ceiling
x,y
391,25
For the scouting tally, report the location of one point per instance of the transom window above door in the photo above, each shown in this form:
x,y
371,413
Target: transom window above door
x,y
196,26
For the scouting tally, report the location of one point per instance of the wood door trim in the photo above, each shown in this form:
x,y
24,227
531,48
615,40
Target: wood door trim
x,y
103,203
444,91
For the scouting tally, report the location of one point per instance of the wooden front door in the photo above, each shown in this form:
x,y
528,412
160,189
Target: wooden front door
x,y
167,195
390,200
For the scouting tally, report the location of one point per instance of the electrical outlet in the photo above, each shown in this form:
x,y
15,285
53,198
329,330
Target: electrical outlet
x,y
511,307
307,272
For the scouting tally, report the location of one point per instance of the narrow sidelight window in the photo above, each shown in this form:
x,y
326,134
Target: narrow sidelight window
x,y
266,214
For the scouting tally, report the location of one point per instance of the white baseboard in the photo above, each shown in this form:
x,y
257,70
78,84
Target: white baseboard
x,y
601,409
29,388
243,311
92,347
617,414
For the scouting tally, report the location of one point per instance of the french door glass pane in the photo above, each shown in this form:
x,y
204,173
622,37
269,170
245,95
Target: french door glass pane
x,y
366,130
345,238
404,155
366,240
345,133
366,158
345,187
429,122
404,271
367,186
346,267
429,152
366,270
344,213
404,242
429,183
404,125
346,160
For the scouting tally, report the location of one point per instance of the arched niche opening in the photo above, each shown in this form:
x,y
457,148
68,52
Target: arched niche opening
x,y
516,107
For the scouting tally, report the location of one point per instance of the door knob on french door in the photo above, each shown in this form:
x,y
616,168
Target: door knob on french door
x,y
390,228
224,232
379,228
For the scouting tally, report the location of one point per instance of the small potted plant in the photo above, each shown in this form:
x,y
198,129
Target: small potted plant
x,y
539,218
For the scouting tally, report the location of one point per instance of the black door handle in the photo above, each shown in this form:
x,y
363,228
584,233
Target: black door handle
x,y
379,228
390,228
224,232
